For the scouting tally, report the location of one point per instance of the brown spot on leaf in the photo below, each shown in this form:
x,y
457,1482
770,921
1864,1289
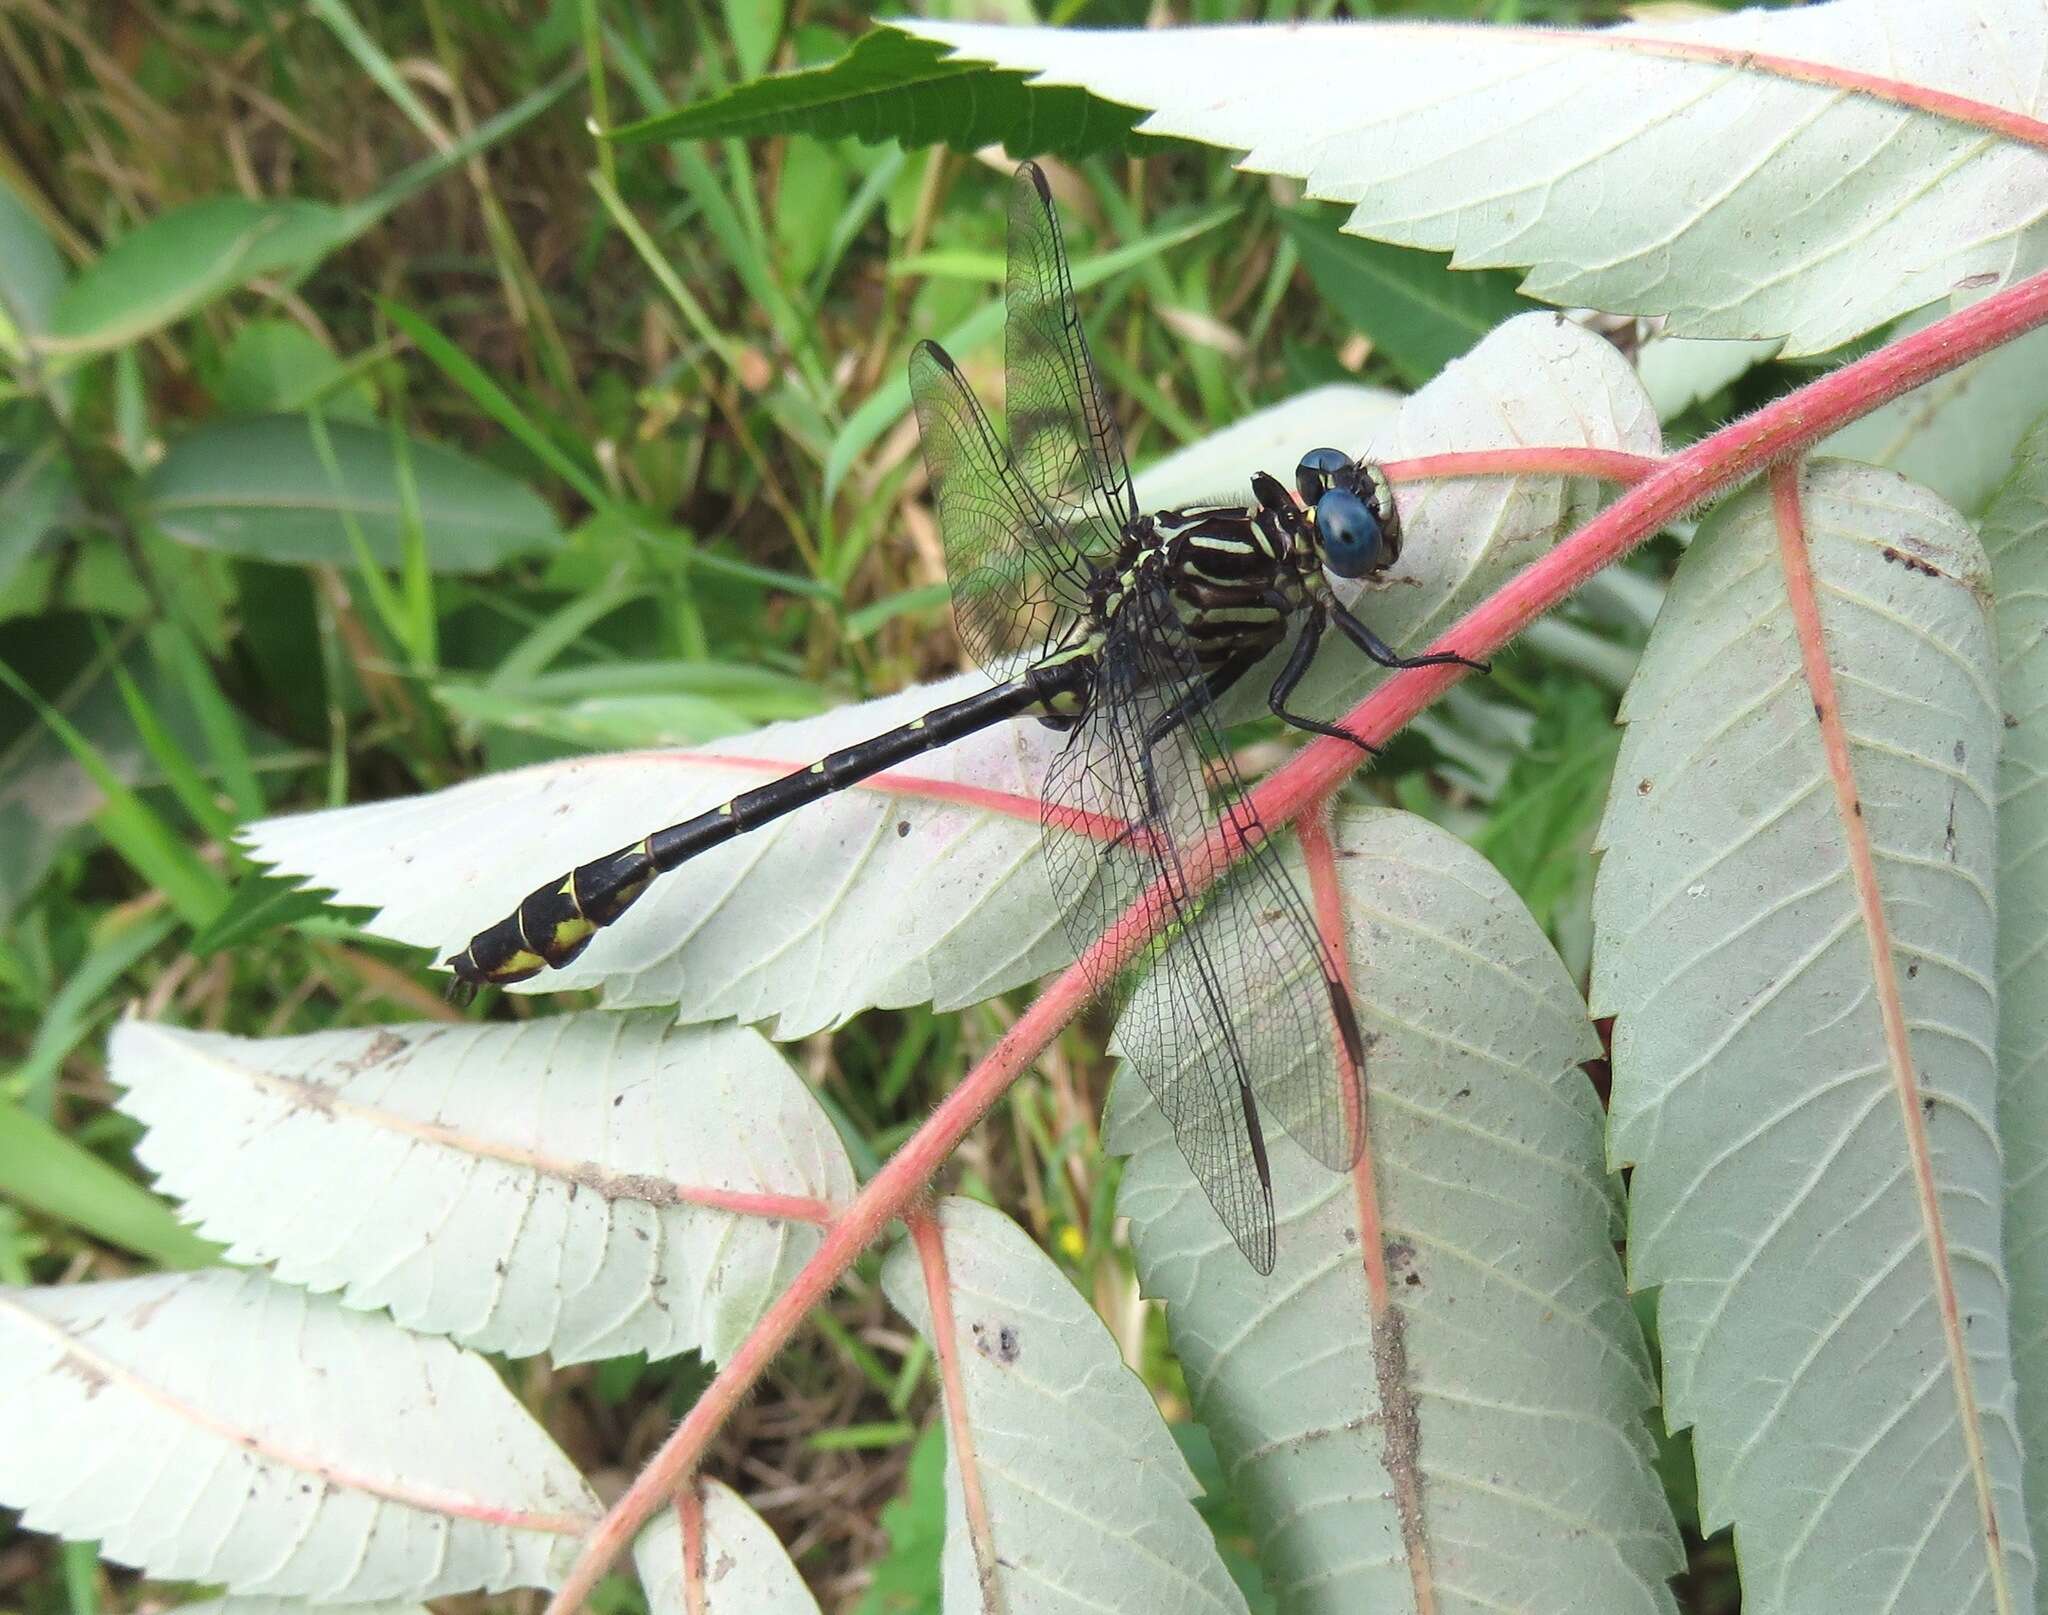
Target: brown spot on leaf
x,y
1912,563
622,1185
1401,1424
380,1049
86,1373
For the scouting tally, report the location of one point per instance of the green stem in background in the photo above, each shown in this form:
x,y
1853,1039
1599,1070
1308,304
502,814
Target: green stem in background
x,y
600,93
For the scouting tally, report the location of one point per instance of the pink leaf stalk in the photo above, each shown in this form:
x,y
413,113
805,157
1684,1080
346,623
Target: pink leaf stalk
x,y
1679,482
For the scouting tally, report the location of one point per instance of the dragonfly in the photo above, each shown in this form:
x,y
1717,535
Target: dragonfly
x,y
1122,629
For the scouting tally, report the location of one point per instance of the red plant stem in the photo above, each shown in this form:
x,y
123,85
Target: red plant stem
x,y
1609,465
901,1179
1711,466
930,1240
690,1520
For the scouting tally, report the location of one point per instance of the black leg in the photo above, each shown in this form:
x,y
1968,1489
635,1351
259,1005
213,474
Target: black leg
x,y
1298,659
1383,653
1208,692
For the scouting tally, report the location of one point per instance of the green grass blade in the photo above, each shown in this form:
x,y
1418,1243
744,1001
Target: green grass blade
x,y
226,744
887,404
186,782
42,1168
131,828
495,402
68,1019
416,177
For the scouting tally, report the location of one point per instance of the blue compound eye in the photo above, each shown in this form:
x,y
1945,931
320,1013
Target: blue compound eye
x,y
1321,470
1353,540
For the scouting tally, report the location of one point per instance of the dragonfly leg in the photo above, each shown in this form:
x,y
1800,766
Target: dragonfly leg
x,y
1211,690
1298,659
1383,653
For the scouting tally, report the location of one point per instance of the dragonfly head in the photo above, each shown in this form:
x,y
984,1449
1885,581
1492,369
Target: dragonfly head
x,y
1356,533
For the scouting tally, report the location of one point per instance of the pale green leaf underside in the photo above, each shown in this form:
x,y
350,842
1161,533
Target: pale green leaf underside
x,y
1773,1199
521,1187
1089,1500
292,1447
1756,205
746,1571
297,1606
877,899
1219,468
2016,539
1956,434
1511,1350
780,925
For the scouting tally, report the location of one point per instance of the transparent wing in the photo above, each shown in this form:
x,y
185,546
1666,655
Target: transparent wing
x,y
1019,584
1236,1009
1063,438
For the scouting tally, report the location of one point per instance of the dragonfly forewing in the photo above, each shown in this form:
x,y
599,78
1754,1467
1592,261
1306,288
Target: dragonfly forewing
x,y
1019,585
1063,438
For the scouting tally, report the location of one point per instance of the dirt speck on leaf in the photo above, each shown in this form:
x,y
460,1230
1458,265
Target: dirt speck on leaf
x,y
1912,563
86,1373
1401,1451
378,1051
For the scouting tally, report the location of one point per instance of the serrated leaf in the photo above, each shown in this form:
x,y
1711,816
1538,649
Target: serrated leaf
x,y
1419,312
293,1447
743,1568
261,903
890,86
782,923
1478,1430
181,260
288,489
1776,1131
2015,526
1085,1492
1762,199
494,1150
